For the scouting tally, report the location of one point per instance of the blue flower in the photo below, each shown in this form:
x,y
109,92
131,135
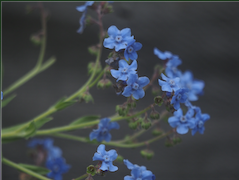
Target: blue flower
x,y
135,86
195,87
170,84
82,23
57,167
130,51
117,39
124,70
47,145
106,157
161,55
200,120
84,7
180,96
171,67
138,172
102,133
181,122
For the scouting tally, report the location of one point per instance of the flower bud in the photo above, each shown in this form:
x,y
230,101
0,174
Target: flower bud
x,y
91,170
122,110
157,132
86,97
168,143
36,39
146,125
91,67
104,83
154,115
133,125
158,100
177,140
119,158
147,153
94,50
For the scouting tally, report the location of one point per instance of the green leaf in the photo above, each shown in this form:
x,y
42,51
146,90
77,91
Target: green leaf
x,y
42,121
36,169
62,105
8,100
12,128
28,131
85,119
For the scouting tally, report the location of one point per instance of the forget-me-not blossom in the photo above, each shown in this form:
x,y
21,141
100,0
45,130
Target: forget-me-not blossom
x,y
138,172
130,51
181,122
162,55
102,133
106,157
170,84
57,167
180,96
117,39
124,70
135,86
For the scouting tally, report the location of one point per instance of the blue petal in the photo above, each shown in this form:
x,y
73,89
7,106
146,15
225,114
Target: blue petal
x,y
128,164
123,64
135,172
193,131
115,73
178,113
132,79
173,121
205,117
133,65
112,168
133,56
113,125
164,77
98,157
101,149
147,174
109,43
135,94
138,94
126,55
166,87
120,46
128,178
113,31
127,91
104,122
143,81
126,32
107,137
104,166
112,154
81,8
137,46
182,129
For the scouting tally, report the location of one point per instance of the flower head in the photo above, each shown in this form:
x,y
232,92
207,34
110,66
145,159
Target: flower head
x,y
180,96
195,87
135,86
171,67
163,55
130,51
138,172
200,120
102,133
84,7
57,167
170,84
181,122
118,39
124,70
106,157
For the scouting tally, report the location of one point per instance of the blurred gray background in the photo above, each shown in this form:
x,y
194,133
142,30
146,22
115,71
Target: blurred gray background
x,y
203,34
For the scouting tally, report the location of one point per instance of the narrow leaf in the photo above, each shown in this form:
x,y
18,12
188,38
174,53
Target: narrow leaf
x,y
85,119
8,100
36,169
42,121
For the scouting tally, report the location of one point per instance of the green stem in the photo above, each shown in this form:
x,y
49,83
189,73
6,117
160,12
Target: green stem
x,y
81,177
97,79
78,126
16,166
112,143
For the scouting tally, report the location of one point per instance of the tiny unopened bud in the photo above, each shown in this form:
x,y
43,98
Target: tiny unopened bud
x,y
119,158
168,143
146,125
91,67
147,153
122,110
94,50
154,115
157,132
86,97
177,140
133,125
36,39
91,170
104,83
158,100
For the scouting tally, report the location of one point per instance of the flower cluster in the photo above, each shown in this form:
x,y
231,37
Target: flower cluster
x,y
102,133
181,88
54,161
106,159
122,41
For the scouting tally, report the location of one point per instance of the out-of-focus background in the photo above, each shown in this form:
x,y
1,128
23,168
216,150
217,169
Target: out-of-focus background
x,y
203,34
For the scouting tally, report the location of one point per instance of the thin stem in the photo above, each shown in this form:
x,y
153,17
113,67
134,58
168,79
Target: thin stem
x,y
16,166
96,80
78,126
81,177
